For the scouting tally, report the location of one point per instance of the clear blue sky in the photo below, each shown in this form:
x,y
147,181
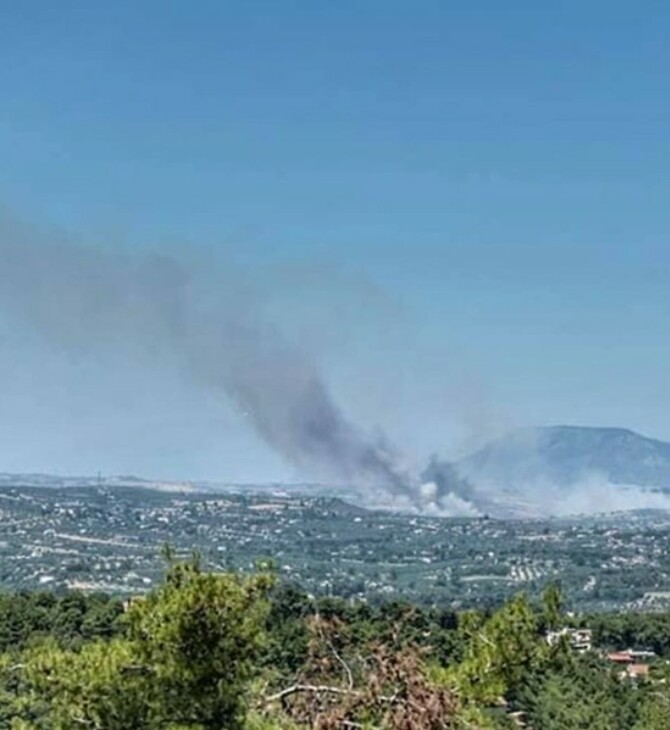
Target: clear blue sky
x,y
490,180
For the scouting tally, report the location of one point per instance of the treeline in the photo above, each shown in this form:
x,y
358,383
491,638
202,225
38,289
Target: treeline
x,y
627,630
70,619
230,652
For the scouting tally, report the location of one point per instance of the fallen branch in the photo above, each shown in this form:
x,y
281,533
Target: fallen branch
x,y
313,689
339,691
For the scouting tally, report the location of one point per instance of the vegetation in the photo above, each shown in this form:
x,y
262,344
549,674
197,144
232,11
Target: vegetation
x,y
108,538
224,651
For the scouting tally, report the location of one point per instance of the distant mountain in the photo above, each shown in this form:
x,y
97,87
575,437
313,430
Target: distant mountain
x,y
55,481
566,455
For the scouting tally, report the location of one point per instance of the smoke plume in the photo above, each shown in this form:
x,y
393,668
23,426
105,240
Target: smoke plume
x,y
84,299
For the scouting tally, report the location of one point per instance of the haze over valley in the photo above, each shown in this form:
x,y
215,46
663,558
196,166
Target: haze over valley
x,y
535,472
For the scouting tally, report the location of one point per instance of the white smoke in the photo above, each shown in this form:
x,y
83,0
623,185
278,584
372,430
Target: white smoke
x,y
591,494
446,504
596,495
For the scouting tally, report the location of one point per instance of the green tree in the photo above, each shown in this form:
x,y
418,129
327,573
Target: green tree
x,y
186,661
199,635
499,652
655,712
580,694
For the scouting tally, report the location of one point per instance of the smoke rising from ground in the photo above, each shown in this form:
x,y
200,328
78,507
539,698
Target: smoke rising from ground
x,y
567,470
209,326
590,493
595,495
84,300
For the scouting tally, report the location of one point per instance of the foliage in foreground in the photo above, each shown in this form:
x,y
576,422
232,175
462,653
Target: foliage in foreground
x,y
226,651
184,659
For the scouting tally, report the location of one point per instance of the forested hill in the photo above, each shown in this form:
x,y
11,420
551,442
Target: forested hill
x,y
564,455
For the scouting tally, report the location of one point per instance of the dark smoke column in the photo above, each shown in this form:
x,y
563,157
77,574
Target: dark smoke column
x,y
290,407
85,299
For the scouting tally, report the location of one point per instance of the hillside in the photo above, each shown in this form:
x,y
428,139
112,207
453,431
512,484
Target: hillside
x,y
565,455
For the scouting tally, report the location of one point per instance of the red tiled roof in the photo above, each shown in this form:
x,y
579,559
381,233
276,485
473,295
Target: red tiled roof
x,y
620,657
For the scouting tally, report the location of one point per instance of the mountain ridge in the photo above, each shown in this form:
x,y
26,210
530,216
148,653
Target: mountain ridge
x,y
563,455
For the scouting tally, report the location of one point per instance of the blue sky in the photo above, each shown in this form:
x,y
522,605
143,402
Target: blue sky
x,y
475,196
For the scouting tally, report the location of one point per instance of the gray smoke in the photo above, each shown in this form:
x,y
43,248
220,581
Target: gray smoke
x,y
448,480
85,299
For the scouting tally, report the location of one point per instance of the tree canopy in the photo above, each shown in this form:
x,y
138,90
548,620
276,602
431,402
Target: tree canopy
x,y
207,651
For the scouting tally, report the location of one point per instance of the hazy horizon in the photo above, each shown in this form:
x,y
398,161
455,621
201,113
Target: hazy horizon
x,y
456,215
